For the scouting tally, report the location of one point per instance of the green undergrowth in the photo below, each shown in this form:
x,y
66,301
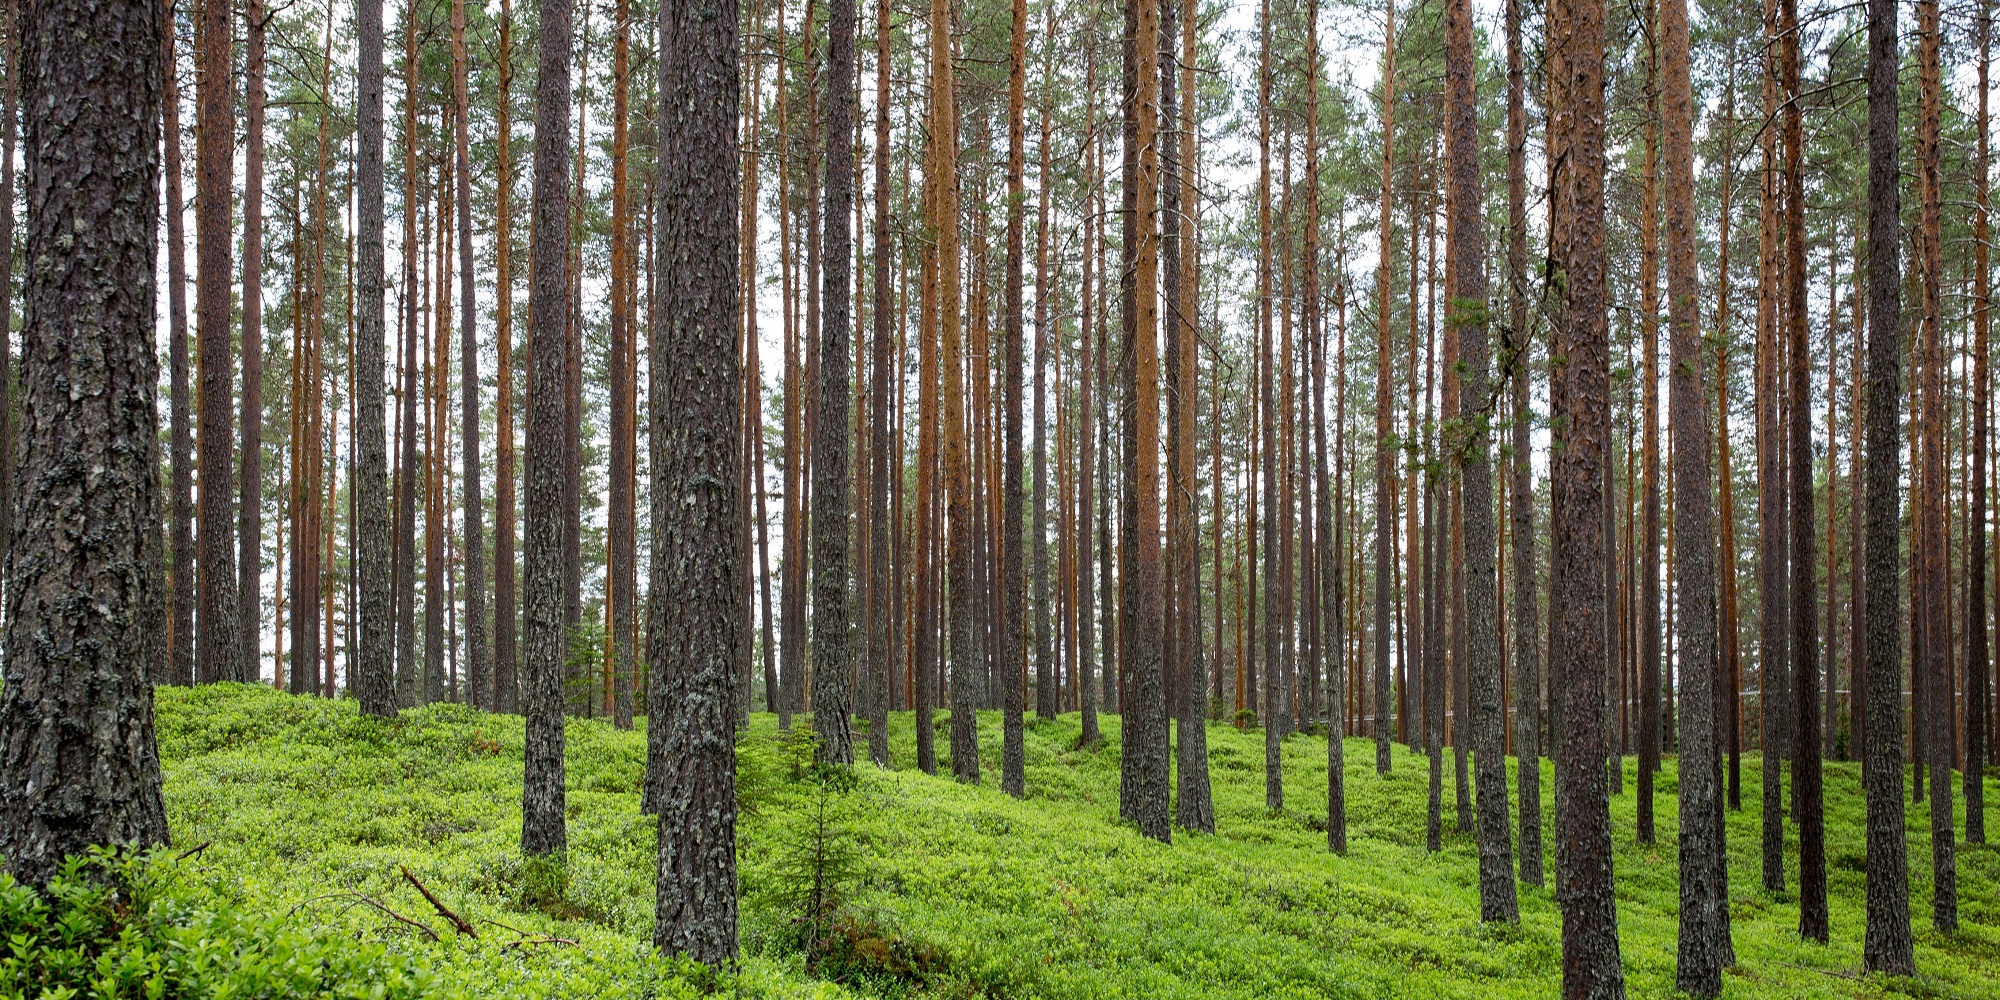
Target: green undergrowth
x,y
296,817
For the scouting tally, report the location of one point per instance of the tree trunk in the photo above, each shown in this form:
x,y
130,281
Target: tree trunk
x,y
1704,946
1931,585
83,621
1581,396
372,675
180,587
1516,347
219,652
1978,672
1803,604
884,630
1648,618
1465,245
542,827
1012,631
694,394
1771,559
832,651
506,691
941,179
1385,451
1887,946
250,526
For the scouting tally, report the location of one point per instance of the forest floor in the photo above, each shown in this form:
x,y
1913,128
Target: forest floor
x,y
941,889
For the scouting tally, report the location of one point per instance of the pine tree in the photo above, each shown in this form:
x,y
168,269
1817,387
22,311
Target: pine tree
x,y
89,406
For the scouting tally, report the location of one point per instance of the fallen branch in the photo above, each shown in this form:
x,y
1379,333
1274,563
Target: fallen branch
x,y
464,927
360,899
192,851
527,937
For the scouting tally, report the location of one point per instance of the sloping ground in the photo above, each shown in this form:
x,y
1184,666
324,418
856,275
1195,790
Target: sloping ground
x,y
956,891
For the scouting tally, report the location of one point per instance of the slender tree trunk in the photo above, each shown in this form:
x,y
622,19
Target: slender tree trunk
x,y
1516,346
943,201
1771,558
1466,245
180,586
1648,618
1803,604
1887,946
1581,394
250,526
543,827
832,651
1012,630
1385,451
218,656
883,631
1978,671
506,692
372,675
1931,585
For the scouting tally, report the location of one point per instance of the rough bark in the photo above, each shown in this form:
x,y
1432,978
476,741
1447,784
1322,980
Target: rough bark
x,y
1703,947
1465,240
1521,494
832,650
887,630
250,524
542,825
694,428
371,676
83,633
1886,945
1804,668
1978,671
1585,883
966,690
1930,586
218,649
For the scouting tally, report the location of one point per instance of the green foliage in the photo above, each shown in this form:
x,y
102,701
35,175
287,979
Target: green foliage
x,y
938,889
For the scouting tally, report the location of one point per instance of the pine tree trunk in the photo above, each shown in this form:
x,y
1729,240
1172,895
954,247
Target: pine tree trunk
x,y
1385,452
180,586
506,690
83,629
1581,395
1978,672
1887,946
372,675
1931,586
1704,929
1803,603
1648,618
885,631
941,179
250,525
1517,337
694,421
832,652
1465,244
218,653
543,827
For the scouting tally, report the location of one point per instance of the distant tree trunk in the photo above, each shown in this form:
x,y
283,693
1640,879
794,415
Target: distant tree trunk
x,y
1704,929
406,433
1803,604
1328,639
1887,946
622,575
372,674
219,656
1771,558
83,631
1932,583
1274,779
1581,394
1466,246
543,827
1516,336
1085,436
250,526
1648,617
1144,699
885,626
506,691
1978,671
832,651
694,417
1385,451
1012,630
966,692
474,553
180,586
